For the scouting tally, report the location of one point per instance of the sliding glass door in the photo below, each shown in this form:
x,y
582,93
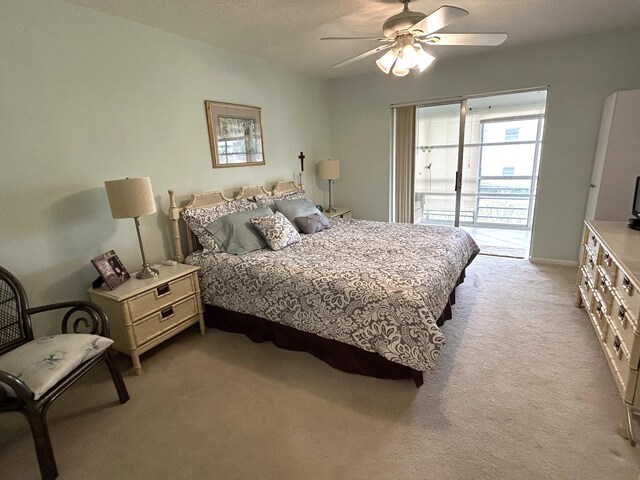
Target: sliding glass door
x,y
436,164
476,166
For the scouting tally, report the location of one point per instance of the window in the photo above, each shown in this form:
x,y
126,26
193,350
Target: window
x,y
511,135
508,171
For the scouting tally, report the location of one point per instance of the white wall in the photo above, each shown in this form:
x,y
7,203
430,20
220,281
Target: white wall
x,y
86,97
581,72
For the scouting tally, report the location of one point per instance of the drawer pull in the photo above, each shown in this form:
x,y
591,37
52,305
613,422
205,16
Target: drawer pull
x,y
607,259
593,240
163,289
166,312
602,282
616,343
599,306
622,312
591,261
626,284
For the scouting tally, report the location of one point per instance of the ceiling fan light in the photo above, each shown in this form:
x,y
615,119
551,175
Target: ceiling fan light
x,y
399,69
424,60
409,56
385,62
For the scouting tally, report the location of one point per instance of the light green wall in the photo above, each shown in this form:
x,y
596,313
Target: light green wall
x,y
86,97
581,72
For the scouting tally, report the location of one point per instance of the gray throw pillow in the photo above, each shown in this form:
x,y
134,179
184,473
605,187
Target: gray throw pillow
x,y
313,223
235,234
293,209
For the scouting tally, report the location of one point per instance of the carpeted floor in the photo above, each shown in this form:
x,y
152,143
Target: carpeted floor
x,y
522,392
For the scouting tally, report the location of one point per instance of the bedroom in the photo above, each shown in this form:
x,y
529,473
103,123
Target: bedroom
x,y
88,97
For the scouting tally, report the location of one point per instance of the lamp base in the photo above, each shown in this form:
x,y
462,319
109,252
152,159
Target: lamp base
x,y
330,210
147,272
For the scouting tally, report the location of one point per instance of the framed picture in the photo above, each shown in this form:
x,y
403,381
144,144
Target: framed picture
x,y
111,269
235,134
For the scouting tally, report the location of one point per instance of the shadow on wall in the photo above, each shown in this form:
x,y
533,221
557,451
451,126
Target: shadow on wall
x,y
78,225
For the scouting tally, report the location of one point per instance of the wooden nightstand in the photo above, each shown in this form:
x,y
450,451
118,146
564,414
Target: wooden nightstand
x,y
144,313
340,212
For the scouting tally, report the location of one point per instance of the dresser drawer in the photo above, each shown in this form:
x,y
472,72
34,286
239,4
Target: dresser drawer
x,y
603,287
608,265
618,356
160,297
150,327
628,293
624,321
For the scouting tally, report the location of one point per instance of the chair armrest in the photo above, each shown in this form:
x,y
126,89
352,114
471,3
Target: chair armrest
x,y
97,320
19,387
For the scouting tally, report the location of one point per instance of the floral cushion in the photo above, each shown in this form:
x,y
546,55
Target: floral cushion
x,y
198,218
45,361
268,200
276,230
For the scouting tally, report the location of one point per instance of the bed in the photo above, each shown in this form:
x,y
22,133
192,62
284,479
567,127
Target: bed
x,y
366,297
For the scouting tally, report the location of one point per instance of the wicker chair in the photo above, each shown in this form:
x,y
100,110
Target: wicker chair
x,y
33,373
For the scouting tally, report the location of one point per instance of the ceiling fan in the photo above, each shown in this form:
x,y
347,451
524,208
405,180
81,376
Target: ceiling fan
x,y
406,33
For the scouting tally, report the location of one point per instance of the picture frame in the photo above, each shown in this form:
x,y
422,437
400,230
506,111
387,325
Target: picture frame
x,y
111,269
235,134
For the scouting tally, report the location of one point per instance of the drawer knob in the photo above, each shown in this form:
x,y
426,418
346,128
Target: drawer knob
x,y
622,312
593,239
166,312
163,289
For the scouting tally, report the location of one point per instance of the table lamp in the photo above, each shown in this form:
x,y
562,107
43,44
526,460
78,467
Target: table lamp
x,y
329,170
133,198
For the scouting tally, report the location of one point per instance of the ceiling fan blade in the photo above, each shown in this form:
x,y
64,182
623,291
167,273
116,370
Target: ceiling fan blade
x,y
479,39
439,19
359,38
362,55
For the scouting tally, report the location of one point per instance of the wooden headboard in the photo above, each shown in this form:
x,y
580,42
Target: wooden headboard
x,y
208,199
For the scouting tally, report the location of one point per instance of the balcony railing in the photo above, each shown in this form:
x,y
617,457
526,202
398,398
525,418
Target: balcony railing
x,y
480,209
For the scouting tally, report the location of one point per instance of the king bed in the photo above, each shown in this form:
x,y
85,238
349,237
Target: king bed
x,y
366,297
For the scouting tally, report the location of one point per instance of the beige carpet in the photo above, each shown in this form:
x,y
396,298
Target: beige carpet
x,y
522,392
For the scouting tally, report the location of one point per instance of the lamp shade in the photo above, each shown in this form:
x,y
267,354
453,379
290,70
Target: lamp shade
x,y
329,169
130,197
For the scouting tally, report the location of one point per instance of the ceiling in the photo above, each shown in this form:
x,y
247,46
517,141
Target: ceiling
x,y
287,32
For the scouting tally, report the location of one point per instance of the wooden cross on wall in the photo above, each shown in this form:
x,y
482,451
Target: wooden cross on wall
x,y
301,157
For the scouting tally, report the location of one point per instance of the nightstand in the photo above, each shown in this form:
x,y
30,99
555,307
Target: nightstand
x,y
145,313
340,212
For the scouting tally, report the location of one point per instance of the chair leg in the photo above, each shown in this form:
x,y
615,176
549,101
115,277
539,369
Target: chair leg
x,y
118,381
44,450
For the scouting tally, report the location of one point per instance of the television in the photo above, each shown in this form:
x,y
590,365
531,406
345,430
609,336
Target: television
x,y
635,210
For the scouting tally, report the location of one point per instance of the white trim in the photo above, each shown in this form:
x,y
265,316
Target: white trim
x,y
553,261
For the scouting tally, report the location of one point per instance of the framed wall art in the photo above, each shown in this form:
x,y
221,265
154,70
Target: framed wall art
x,y
111,269
235,134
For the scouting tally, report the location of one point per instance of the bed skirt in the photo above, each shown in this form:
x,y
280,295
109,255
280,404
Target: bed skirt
x,y
337,354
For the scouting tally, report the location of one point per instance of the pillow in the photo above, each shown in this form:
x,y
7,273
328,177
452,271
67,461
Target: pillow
x,y
198,218
234,233
313,223
276,230
268,200
296,208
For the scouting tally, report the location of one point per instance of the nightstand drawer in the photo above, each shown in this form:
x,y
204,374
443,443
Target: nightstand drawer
x,y
163,320
160,297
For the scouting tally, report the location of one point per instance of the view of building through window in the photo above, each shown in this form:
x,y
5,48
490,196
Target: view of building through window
x,y
498,169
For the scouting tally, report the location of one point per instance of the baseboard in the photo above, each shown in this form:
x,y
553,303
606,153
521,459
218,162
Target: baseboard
x,y
554,261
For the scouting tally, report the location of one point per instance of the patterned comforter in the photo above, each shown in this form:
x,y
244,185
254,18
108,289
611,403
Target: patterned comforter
x,y
378,286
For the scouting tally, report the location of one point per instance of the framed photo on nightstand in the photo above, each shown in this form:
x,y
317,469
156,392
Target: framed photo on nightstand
x,y
111,269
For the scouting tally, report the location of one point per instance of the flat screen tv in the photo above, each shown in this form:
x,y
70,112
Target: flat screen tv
x,y
635,222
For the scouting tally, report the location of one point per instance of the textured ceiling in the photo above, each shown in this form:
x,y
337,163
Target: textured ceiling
x,y
287,32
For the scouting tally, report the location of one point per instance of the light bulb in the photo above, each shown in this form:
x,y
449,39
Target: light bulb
x,y
400,69
410,56
424,59
386,61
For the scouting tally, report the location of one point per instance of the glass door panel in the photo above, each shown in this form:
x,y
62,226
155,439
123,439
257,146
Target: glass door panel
x,y
437,138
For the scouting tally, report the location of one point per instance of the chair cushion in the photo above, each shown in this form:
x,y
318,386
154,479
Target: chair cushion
x,y
45,361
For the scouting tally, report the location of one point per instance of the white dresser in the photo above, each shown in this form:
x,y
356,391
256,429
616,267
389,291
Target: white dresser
x,y
609,289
